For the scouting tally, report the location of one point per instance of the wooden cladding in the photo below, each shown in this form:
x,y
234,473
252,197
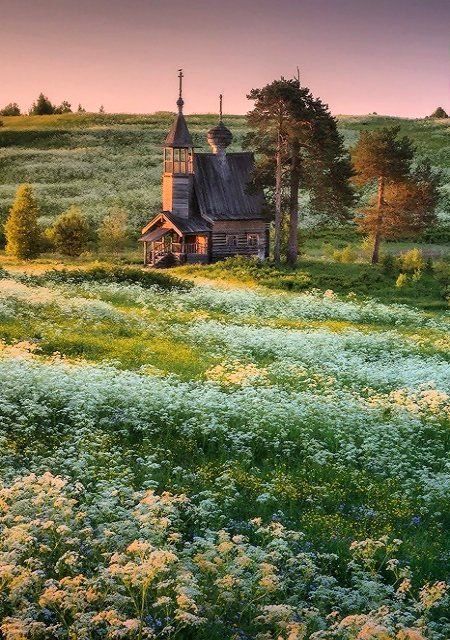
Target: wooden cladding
x,y
240,243
176,193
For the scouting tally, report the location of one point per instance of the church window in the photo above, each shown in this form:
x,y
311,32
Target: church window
x,y
252,239
168,160
232,240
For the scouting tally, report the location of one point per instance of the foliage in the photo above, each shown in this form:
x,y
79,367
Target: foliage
x,y
407,198
64,107
360,279
402,280
143,575
346,255
299,151
201,460
113,232
439,113
42,106
70,232
411,261
11,109
382,153
21,229
145,278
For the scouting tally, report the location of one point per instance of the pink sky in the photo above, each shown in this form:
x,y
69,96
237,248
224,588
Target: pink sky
x,y
388,56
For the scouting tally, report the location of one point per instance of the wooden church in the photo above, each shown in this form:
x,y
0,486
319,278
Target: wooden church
x,y
208,212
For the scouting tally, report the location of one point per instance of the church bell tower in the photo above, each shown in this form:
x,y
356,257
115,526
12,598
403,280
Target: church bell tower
x,y
178,163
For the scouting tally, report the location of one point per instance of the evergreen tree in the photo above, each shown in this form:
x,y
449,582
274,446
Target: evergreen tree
x,y
381,156
300,152
21,228
70,232
113,230
64,107
439,113
11,109
42,106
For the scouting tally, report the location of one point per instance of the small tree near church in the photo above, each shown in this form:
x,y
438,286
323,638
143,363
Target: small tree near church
x,y
21,228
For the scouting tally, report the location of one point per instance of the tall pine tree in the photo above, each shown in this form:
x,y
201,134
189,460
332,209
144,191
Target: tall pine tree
x,y
300,151
383,158
21,228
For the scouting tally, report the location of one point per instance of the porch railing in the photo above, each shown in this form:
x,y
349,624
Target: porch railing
x,y
180,247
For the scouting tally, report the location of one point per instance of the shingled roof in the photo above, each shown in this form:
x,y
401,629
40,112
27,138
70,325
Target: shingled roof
x,y
178,135
221,187
193,224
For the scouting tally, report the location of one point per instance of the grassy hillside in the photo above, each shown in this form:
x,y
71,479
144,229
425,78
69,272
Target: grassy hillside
x,y
98,160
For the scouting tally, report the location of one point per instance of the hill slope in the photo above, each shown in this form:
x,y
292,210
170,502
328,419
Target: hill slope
x,y
98,160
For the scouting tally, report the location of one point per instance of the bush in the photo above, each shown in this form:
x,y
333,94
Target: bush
x,y
347,255
411,260
113,231
70,232
402,281
128,275
11,109
437,234
388,263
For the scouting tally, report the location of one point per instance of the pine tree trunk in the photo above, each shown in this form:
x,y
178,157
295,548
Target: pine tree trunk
x,y
278,186
292,250
379,222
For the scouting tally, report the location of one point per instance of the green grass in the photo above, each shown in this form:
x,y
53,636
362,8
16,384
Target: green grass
x,y
331,503
97,161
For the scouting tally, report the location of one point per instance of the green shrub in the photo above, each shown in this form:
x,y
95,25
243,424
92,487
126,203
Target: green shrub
x,y
70,233
402,281
411,260
437,234
388,263
347,255
117,274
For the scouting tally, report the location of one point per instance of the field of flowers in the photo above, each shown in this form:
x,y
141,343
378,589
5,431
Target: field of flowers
x,y
100,160
217,462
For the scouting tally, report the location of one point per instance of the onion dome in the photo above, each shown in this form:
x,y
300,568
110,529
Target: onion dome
x,y
219,137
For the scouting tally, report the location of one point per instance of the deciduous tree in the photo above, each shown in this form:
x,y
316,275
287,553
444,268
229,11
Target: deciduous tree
x,y
70,232
113,230
21,229
11,109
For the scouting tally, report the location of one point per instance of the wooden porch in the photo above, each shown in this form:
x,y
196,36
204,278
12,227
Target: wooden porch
x,y
167,251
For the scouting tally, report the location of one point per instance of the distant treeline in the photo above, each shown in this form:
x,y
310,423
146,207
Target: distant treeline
x,y
42,106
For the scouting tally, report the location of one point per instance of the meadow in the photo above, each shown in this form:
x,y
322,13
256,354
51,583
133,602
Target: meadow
x,y
219,459
237,451
97,161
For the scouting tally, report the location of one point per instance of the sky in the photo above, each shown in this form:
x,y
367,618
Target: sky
x,y
359,56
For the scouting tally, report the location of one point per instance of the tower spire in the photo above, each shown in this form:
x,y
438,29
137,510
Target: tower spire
x,y
180,101
220,107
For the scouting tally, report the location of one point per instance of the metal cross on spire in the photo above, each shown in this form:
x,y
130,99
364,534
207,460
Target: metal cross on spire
x,y
180,101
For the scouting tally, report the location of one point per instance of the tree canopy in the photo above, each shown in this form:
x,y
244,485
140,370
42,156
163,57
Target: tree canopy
x,y
70,232
407,195
11,109
299,152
